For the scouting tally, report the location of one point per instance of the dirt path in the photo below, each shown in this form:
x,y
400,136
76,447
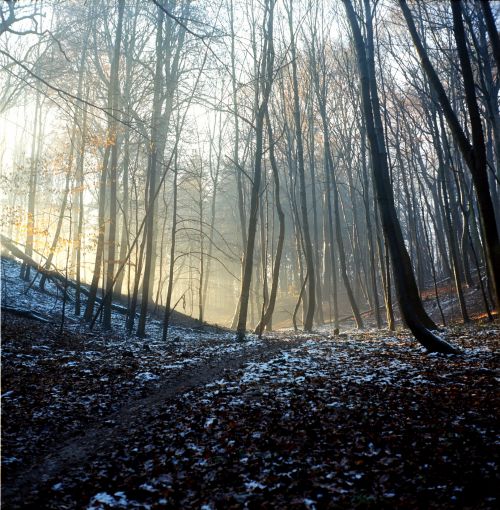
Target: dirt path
x,y
22,486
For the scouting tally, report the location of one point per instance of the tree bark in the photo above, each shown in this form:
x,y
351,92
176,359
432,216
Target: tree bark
x,y
113,175
266,74
309,316
474,154
408,297
268,313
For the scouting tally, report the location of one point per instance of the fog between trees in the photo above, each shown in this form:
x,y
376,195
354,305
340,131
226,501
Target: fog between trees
x,y
256,164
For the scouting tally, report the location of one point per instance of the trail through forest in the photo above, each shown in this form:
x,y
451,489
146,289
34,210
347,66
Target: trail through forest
x,y
250,254
54,460
294,420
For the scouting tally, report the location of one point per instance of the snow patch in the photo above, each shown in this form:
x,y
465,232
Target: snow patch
x,y
146,376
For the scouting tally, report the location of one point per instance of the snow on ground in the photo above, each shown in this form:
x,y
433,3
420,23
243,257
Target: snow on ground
x,y
60,382
314,426
349,422
360,420
185,346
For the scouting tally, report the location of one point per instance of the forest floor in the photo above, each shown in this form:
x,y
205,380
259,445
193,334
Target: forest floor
x,y
363,419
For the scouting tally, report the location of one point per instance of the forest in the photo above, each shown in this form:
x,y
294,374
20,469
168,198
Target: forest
x,y
250,253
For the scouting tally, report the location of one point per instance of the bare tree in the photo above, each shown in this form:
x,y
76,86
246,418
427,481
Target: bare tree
x,y
263,91
408,297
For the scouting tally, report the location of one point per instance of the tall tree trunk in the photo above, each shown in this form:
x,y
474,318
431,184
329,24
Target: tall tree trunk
x,y
236,150
309,316
317,251
268,313
368,220
263,256
171,263
77,235
62,210
152,164
452,242
340,246
89,309
214,174
492,30
265,84
335,210
331,238
473,153
30,227
202,246
113,175
135,292
408,297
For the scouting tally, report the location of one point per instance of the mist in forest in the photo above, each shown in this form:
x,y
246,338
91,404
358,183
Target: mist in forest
x,y
254,164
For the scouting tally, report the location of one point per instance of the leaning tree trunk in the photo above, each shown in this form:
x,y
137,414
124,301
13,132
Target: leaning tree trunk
x,y
473,153
406,288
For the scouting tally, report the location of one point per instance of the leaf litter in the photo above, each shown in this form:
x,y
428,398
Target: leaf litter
x,y
363,420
